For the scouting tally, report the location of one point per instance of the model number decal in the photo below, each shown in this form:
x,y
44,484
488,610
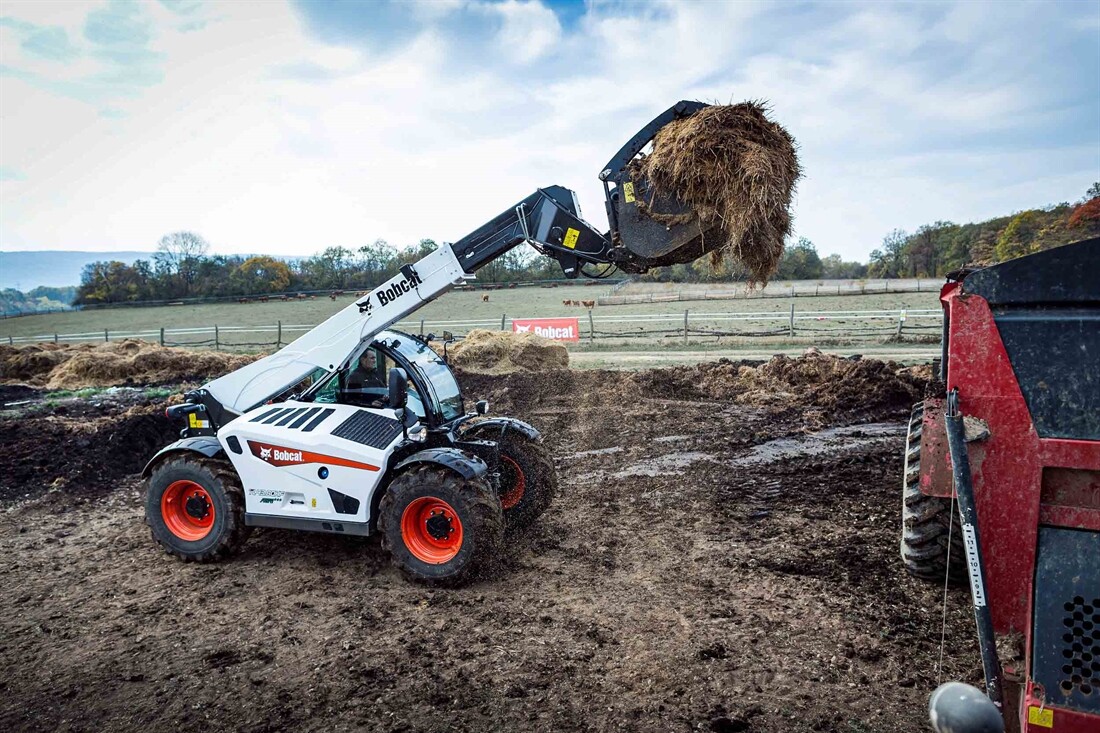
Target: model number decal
x,y
971,543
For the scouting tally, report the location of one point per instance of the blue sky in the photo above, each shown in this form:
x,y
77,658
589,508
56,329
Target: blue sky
x,y
289,127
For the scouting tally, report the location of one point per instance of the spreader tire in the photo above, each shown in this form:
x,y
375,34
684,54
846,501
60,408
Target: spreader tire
x,y
528,481
439,527
194,507
926,521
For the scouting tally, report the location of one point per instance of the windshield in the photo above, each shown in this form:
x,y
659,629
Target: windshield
x,y
440,381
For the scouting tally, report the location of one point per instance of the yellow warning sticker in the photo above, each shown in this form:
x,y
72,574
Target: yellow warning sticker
x,y
571,238
628,192
1040,716
193,421
313,503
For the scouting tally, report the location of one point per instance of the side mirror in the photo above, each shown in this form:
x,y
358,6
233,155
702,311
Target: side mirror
x,y
448,336
399,389
481,407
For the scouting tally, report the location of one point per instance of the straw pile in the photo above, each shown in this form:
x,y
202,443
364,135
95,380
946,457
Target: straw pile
x,y
503,352
128,362
736,171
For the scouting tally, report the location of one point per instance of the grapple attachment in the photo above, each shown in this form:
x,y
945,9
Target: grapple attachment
x,y
649,230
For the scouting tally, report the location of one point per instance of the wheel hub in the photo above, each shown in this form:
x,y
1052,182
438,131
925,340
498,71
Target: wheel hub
x,y
439,525
431,530
197,506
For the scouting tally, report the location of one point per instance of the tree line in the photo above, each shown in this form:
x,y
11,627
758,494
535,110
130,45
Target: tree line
x,y
182,266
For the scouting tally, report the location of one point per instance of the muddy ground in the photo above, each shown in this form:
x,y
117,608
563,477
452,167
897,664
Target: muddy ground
x,y
709,566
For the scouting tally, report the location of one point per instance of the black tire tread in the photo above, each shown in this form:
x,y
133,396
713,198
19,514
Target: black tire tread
x,y
545,481
481,513
236,531
926,524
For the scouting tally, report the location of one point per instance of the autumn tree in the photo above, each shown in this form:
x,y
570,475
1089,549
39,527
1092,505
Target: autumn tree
x,y
1017,238
263,274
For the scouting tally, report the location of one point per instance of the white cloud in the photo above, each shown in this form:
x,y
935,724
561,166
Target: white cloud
x,y
263,138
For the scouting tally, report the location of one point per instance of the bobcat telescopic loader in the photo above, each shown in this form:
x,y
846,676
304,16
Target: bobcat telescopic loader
x,y
354,428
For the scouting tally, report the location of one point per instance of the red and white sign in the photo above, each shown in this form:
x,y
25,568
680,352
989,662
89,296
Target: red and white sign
x,y
559,329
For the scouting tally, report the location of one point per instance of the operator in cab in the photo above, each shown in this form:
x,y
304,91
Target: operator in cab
x,y
365,375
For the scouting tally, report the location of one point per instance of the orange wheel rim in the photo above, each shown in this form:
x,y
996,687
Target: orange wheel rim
x,y
187,510
513,495
431,530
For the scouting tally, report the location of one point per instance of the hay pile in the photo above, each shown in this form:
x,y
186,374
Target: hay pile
x,y
128,362
736,170
503,352
813,380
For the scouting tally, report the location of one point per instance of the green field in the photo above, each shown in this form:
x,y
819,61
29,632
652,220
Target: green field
x,y
634,326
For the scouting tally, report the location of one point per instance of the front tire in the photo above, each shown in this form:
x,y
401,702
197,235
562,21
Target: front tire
x,y
194,507
528,481
439,527
926,521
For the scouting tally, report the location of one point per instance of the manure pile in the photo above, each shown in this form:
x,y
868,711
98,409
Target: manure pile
x,y
503,352
128,362
736,171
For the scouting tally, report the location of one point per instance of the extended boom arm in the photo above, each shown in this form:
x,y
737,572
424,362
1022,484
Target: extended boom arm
x,y
549,220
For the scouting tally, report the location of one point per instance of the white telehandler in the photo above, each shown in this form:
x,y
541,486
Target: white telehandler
x,y
356,428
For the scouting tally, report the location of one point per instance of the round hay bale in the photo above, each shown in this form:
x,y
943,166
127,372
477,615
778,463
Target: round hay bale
x,y
502,352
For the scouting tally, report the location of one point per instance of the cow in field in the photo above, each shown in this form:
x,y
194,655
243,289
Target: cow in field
x,y
484,298
589,304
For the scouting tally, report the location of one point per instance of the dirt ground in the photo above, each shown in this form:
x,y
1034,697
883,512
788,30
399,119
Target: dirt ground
x,y
713,564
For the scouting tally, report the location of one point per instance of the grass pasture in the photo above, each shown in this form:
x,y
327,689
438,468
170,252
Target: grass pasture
x,y
633,326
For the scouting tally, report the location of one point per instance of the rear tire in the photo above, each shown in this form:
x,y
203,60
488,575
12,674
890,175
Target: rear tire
x,y
528,481
439,527
926,521
194,507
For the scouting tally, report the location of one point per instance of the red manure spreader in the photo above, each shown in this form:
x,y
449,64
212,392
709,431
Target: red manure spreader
x,y
1011,433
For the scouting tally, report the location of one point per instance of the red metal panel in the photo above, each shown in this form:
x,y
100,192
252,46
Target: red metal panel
x,y
936,478
1012,492
1006,465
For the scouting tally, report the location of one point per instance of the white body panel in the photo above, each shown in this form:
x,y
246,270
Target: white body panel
x,y
287,469
330,344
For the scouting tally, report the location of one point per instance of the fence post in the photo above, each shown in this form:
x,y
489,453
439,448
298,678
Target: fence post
x,y
217,346
791,322
685,328
279,335
105,336
503,316
10,342
591,330
55,338
901,322
162,335
421,328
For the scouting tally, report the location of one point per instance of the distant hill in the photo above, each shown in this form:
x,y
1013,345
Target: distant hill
x,y
57,268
